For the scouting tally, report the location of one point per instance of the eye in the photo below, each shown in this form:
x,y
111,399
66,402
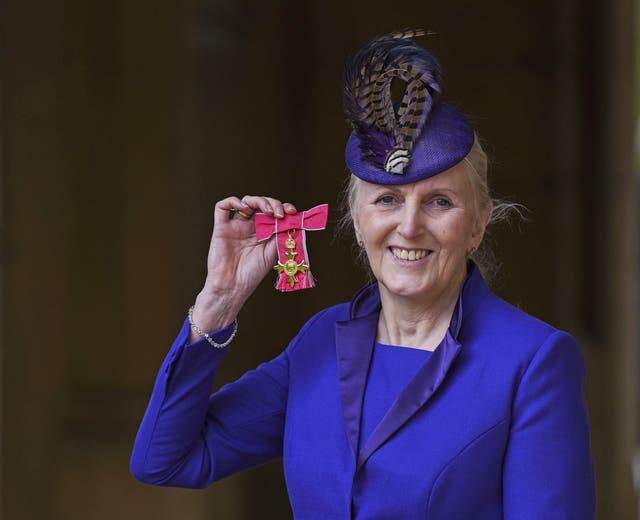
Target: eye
x,y
385,200
442,202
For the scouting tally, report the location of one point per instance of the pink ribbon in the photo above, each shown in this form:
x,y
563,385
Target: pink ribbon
x,y
293,226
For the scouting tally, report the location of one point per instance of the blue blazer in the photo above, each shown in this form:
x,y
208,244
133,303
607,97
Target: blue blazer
x,y
492,426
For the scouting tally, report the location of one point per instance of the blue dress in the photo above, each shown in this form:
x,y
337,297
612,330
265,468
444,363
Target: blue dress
x,y
492,425
391,369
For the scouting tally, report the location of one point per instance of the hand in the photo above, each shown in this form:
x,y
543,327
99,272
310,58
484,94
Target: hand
x,y
237,262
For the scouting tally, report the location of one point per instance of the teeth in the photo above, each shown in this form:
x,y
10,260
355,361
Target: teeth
x,y
405,254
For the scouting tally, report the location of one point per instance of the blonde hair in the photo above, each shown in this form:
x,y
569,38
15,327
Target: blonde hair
x,y
502,210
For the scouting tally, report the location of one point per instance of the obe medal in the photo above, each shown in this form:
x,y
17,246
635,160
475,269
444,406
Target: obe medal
x,y
291,267
290,232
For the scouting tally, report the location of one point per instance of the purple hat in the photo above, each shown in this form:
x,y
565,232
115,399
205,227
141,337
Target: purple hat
x,y
406,142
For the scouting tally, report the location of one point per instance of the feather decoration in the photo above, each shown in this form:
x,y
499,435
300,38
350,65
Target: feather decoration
x,y
386,135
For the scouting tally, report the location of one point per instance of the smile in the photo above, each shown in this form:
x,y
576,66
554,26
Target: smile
x,y
409,254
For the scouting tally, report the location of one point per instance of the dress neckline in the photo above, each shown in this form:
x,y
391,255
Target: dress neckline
x,y
400,347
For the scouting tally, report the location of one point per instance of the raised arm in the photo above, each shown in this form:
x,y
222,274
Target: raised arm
x,y
188,437
236,262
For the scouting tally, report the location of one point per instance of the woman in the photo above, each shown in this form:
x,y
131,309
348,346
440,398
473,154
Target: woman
x,y
426,396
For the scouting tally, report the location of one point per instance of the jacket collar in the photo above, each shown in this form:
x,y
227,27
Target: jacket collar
x,y
355,338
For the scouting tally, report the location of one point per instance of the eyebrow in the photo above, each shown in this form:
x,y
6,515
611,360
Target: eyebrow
x,y
384,187
396,189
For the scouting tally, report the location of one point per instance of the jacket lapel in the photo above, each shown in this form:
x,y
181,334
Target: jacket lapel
x,y
354,347
419,390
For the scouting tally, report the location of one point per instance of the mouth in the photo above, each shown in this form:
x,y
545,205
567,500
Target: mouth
x,y
409,254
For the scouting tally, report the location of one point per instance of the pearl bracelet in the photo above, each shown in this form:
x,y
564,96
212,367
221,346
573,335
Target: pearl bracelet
x,y
199,332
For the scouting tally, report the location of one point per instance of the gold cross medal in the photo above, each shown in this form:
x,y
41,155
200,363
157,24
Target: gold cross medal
x,y
291,268
290,232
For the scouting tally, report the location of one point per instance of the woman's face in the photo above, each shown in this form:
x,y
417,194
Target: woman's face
x,y
417,236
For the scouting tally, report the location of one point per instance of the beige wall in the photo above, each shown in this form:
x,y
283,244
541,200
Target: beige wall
x,y
122,123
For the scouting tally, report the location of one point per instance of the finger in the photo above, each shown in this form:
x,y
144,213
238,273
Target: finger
x,y
276,206
259,204
227,208
289,208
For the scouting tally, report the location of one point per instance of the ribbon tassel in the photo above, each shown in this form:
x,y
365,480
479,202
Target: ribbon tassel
x,y
293,260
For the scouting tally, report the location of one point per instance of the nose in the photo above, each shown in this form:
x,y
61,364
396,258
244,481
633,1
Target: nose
x,y
411,223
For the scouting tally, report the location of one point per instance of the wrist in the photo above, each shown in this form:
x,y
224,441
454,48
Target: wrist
x,y
213,311
220,339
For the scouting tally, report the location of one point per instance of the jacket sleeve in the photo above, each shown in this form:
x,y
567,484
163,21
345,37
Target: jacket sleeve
x,y
190,437
548,471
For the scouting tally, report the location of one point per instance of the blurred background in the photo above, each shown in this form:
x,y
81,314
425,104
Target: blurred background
x,y
121,124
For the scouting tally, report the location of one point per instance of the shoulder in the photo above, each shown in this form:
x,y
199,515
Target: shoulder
x,y
491,325
501,316
321,324
328,316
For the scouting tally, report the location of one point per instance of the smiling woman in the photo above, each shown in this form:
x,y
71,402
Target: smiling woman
x,y
426,396
417,238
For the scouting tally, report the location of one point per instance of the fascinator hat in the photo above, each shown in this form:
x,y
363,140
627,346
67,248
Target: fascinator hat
x,y
406,142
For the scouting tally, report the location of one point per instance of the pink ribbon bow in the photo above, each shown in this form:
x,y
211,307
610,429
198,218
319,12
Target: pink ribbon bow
x,y
293,261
